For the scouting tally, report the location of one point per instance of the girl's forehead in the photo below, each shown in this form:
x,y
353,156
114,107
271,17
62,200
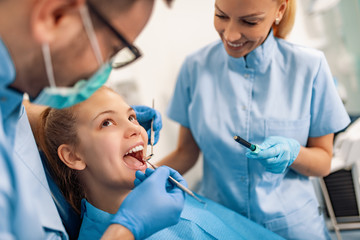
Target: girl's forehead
x,y
101,97
100,101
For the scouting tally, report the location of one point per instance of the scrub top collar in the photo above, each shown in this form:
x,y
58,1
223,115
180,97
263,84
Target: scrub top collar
x,y
10,99
259,58
93,213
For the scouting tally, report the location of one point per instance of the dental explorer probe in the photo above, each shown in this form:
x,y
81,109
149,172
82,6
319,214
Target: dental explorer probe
x,y
253,147
179,185
152,137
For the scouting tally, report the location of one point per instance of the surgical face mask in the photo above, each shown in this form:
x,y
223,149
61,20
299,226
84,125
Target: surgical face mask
x,y
63,97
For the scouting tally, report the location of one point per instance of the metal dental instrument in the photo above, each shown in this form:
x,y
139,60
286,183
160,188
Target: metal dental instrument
x,y
179,185
152,137
253,147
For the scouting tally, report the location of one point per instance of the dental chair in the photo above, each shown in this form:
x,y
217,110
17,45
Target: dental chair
x,y
341,188
70,218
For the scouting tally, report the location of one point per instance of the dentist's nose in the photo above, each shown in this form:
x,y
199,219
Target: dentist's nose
x,y
232,32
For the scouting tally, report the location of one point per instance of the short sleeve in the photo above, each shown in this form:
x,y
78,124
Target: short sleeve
x,y
181,99
328,114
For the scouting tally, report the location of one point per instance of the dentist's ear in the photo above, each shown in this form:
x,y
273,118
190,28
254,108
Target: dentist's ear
x,y
56,20
281,11
68,156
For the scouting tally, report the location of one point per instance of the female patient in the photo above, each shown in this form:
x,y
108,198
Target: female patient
x,y
94,149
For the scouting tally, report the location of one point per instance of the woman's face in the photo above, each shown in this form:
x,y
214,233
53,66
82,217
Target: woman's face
x,y
243,25
111,142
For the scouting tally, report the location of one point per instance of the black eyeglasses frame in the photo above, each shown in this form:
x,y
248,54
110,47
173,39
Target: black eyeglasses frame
x,y
135,51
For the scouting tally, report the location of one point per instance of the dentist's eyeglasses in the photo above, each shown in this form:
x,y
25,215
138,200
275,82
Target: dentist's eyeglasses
x,y
124,56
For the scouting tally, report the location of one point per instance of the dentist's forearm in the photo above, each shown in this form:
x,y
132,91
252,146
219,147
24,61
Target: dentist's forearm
x,y
315,159
184,157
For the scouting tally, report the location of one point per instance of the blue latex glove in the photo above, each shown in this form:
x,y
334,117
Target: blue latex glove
x,y
140,177
152,205
276,153
144,116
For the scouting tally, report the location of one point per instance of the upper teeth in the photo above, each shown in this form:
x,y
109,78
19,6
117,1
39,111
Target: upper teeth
x,y
135,149
235,45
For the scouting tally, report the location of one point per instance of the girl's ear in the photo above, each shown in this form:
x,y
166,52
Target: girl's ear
x,y
69,157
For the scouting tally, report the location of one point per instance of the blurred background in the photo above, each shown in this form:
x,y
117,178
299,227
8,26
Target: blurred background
x,y
332,26
172,33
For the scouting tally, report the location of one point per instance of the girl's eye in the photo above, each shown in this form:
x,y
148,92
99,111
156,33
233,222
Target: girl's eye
x,y
106,123
132,118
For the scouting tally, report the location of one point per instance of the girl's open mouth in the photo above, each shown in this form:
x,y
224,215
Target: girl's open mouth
x,y
133,159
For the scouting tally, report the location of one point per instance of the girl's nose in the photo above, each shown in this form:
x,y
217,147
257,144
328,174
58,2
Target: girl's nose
x,y
132,130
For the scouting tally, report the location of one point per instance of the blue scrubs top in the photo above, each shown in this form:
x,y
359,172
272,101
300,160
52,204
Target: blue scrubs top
x,y
279,89
26,206
197,221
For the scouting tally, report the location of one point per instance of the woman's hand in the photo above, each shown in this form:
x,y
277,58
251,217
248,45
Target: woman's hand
x,y
144,116
276,153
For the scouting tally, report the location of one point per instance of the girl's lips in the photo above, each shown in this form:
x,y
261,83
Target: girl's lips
x,y
135,148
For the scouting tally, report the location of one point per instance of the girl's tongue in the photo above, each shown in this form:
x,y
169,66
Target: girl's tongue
x,y
134,161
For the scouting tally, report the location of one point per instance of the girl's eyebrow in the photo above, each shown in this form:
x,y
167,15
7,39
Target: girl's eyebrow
x,y
104,112
257,14
111,111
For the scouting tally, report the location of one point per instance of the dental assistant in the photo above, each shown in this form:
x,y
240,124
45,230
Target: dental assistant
x,y
49,44
271,92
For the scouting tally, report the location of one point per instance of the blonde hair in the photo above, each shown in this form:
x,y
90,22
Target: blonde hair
x,y
287,22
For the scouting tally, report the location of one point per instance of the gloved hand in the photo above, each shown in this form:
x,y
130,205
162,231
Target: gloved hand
x,y
140,177
144,116
276,153
151,206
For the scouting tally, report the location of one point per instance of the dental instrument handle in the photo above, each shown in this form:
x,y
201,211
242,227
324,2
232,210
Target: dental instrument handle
x,y
253,147
179,185
152,138
152,134
185,189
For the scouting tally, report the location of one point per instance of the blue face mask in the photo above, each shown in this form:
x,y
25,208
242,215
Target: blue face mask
x,y
63,97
